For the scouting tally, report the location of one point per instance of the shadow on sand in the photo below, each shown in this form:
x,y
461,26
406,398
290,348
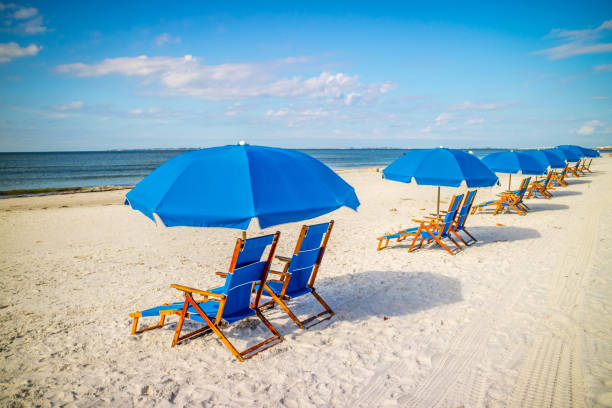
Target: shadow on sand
x,y
581,180
544,206
564,193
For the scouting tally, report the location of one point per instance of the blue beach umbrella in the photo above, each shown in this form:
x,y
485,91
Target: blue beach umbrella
x,y
582,151
572,153
547,157
590,152
514,162
227,186
440,167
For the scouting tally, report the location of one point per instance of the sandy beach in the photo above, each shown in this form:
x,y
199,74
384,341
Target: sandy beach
x,y
521,318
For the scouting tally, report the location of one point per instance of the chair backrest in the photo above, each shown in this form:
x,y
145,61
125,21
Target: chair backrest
x,y
564,172
548,179
465,209
450,215
246,268
307,256
521,193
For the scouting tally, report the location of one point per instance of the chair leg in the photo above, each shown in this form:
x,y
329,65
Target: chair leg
x,y
136,316
241,356
459,236
470,235
284,306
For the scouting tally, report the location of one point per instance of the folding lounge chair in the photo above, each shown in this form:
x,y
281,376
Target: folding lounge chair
x,y
559,179
383,241
512,199
438,229
574,170
299,274
585,166
229,303
462,215
540,187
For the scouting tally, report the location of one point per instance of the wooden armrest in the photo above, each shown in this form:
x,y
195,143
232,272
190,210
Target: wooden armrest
x,y
222,274
198,291
420,221
283,258
279,273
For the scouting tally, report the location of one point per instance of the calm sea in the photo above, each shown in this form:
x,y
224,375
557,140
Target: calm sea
x,y
58,170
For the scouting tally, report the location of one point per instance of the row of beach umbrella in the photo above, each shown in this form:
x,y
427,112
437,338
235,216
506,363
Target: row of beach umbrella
x,y
228,186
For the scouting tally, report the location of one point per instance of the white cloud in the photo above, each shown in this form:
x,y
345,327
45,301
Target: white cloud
x,y
467,105
578,42
603,68
588,128
166,38
599,98
27,19
70,106
23,13
152,111
12,50
443,118
186,76
474,121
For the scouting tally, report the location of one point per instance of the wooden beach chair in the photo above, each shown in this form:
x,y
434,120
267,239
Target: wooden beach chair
x,y
231,302
435,229
461,218
540,187
299,274
511,199
585,166
559,178
574,170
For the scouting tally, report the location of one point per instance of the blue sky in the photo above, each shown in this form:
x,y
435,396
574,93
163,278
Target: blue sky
x,y
80,75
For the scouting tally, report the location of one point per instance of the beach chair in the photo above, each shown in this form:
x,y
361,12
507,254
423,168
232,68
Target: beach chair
x,y
574,170
229,303
383,241
299,274
559,178
462,215
540,187
585,166
436,229
511,199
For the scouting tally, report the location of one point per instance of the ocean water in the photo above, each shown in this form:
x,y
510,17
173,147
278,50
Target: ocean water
x,y
59,170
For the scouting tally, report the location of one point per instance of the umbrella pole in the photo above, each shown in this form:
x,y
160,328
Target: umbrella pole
x,y
244,235
438,207
509,181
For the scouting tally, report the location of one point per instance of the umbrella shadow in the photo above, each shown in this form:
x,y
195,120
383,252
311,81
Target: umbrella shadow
x,y
373,294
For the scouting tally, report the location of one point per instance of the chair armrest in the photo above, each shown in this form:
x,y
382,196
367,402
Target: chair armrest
x,y
198,291
283,258
222,274
279,273
420,221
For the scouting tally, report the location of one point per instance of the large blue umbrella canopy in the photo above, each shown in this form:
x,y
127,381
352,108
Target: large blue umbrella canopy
x,y
564,154
572,153
440,167
582,151
548,158
590,152
514,162
227,186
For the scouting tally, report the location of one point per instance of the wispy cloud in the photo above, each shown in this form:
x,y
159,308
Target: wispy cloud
x,y
166,38
588,128
22,20
186,76
476,106
599,98
603,68
443,118
12,50
579,42
473,121
71,106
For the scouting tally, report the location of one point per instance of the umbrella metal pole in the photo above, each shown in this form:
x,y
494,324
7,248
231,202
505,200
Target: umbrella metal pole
x,y
509,182
438,207
244,235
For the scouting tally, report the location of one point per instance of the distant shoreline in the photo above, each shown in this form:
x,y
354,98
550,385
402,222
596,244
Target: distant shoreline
x,y
35,192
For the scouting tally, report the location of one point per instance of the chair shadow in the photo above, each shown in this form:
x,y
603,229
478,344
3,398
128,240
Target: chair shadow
x,y
578,181
564,193
486,235
373,294
545,206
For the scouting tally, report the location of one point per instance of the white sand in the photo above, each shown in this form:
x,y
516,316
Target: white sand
x,y
522,318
